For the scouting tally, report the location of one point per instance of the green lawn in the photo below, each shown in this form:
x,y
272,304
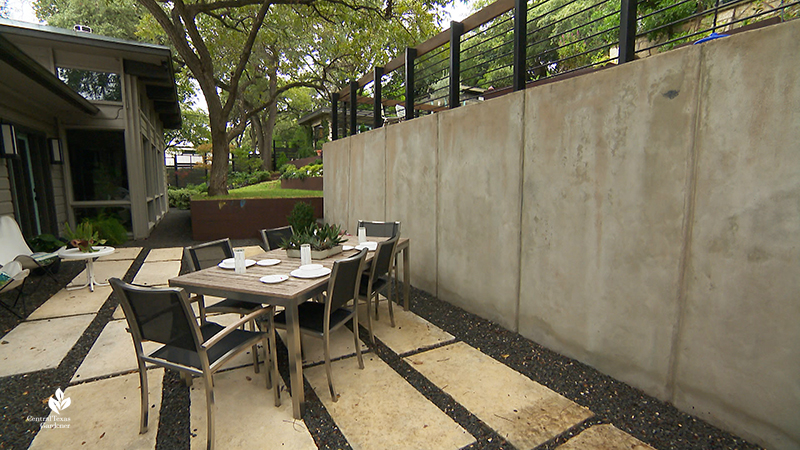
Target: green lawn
x,y
267,189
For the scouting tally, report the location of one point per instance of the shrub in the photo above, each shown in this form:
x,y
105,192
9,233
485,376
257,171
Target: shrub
x,y
281,159
108,228
302,217
290,172
182,198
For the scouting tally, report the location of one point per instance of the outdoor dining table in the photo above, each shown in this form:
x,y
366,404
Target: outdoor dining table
x,y
219,282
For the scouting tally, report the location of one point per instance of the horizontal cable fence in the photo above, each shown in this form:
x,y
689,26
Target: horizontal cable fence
x,y
513,44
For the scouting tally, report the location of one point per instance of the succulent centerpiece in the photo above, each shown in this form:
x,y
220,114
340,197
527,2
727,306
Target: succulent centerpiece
x,y
325,240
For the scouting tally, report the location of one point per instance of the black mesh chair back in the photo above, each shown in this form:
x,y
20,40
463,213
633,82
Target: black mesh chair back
x,y
380,229
343,284
210,254
273,237
158,315
382,261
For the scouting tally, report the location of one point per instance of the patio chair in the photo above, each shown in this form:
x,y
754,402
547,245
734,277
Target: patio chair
x,y
210,254
380,229
383,229
165,316
378,278
13,276
273,237
14,248
320,319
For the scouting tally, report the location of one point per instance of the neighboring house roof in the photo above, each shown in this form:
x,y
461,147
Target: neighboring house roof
x,y
362,116
151,63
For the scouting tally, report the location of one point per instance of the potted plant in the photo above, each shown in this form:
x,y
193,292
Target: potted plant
x,y
83,237
325,241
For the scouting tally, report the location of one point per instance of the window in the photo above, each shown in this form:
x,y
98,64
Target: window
x,y
91,85
98,165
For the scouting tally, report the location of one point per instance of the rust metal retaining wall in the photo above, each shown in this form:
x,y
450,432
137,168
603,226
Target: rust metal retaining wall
x,y
243,218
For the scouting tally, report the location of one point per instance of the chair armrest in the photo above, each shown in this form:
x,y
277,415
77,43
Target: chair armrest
x,y
234,326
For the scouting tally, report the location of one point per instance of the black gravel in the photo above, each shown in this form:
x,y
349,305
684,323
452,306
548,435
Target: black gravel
x,y
652,421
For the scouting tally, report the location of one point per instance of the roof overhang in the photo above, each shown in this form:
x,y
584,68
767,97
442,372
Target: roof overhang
x,y
22,76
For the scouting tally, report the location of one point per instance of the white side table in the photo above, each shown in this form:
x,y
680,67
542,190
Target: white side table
x,y
76,254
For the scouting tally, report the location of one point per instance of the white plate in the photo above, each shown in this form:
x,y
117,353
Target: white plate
x,y
311,267
269,262
311,273
371,246
347,247
272,279
228,263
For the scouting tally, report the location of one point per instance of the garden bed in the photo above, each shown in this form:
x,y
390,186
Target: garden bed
x,y
243,218
306,184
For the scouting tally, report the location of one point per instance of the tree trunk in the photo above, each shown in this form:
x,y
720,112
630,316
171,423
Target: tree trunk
x,y
269,127
218,178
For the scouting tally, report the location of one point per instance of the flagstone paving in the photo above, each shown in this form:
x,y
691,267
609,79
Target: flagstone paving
x,y
104,414
524,412
377,407
72,302
122,253
40,344
246,416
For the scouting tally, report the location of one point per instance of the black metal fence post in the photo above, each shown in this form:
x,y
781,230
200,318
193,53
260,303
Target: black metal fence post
x,y
377,104
353,107
411,55
627,31
520,43
334,116
456,30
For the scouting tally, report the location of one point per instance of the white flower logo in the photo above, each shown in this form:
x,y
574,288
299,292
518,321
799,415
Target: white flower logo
x,y
59,403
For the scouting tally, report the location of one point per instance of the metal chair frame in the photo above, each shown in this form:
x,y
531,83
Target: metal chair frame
x,y
379,276
207,367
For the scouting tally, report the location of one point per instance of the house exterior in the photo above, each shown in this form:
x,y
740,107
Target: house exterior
x,y
87,115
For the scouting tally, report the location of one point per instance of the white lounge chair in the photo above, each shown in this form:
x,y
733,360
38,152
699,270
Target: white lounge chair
x,y
12,276
14,248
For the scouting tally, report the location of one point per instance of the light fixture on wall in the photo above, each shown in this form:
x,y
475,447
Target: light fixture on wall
x,y
8,141
56,153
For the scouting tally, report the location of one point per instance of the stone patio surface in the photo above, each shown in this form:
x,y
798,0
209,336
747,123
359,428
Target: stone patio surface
x,y
378,407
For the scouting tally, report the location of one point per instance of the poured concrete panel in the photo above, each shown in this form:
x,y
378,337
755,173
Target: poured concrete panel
x,y
72,302
606,170
341,344
480,156
40,344
411,191
739,363
378,409
524,412
246,416
367,178
105,415
604,437
337,182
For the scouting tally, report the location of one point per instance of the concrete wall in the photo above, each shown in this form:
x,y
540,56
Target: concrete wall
x,y
643,219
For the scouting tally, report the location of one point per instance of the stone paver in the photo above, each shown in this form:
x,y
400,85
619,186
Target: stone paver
x,y
164,254
341,345
378,409
157,273
246,416
411,332
40,344
103,270
71,303
112,353
524,412
604,437
125,253
105,415
252,250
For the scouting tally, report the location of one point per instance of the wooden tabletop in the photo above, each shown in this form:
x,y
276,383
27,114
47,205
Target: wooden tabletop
x,y
247,286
